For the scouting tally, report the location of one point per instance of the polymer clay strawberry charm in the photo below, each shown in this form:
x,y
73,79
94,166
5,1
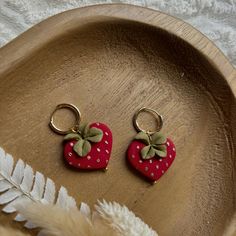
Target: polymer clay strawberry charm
x,y
89,147
151,153
86,147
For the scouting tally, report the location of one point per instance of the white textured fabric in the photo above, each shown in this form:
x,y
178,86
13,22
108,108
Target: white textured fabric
x,y
215,18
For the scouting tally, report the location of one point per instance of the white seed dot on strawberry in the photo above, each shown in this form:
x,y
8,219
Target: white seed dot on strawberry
x,y
89,166
152,174
98,160
107,151
78,164
162,171
106,133
170,156
150,161
167,143
98,149
160,160
88,157
71,144
106,142
138,147
70,163
146,168
157,166
140,161
133,156
173,149
167,165
97,124
70,154
106,161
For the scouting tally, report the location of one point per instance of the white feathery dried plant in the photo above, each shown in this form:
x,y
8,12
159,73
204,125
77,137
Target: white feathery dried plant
x,y
38,204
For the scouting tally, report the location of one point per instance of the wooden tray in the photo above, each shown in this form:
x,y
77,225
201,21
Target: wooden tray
x,y
110,60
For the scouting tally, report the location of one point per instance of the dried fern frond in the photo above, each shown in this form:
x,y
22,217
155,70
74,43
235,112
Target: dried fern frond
x,y
19,183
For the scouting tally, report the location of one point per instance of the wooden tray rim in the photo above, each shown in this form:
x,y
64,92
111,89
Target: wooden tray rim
x,y
35,37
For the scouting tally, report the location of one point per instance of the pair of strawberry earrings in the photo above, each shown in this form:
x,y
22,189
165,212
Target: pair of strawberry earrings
x,y
88,146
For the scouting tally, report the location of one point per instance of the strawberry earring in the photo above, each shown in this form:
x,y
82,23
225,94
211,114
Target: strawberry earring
x,y
86,147
150,153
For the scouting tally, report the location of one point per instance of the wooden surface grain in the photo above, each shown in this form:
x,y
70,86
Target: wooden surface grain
x,y
110,60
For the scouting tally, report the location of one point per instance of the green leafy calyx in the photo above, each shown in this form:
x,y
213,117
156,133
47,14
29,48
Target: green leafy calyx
x,y
85,135
155,145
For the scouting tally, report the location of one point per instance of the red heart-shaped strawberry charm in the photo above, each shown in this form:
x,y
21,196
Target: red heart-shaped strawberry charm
x,y
89,148
151,155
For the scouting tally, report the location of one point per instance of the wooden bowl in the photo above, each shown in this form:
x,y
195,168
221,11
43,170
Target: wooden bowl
x,y
110,60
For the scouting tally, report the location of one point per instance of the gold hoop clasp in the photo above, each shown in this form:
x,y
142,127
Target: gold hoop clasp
x,y
76,112
157,116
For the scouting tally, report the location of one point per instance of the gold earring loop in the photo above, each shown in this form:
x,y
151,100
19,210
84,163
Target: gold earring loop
x,y
76,112
157,116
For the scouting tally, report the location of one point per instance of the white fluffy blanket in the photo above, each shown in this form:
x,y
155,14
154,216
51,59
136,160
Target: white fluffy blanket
x,y
215,18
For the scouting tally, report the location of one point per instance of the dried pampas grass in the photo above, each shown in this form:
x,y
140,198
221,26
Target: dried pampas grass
x,y
231,227
11,232
108,219
123,220
56,221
